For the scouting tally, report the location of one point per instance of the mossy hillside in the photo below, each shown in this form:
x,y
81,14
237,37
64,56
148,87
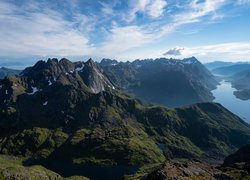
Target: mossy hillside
x,y
111,129
33,142
11,168
195,130
122,144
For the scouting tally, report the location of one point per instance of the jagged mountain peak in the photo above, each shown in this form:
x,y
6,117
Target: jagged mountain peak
x,y
94,77
90,62
84,76
190,60
108,62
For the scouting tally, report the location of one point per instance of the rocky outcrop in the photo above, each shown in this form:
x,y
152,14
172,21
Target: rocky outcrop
x,y
189,170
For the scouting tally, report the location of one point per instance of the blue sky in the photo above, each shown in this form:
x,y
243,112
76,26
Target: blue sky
x,y
124,29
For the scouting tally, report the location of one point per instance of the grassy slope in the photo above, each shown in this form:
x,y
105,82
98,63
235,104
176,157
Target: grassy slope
x,y
11,167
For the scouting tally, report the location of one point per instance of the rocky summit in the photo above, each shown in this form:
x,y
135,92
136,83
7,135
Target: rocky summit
x,y
66,115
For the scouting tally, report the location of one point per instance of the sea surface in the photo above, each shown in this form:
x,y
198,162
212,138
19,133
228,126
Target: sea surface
x,y
224,95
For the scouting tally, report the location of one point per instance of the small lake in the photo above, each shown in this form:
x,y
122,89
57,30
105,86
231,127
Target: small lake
x,y
224,95
93,172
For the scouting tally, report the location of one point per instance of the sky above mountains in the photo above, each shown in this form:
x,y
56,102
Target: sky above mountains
x,y
125,29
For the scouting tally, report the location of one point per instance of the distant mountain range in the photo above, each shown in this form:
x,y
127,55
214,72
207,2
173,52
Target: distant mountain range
x,y
66,115
218,64
8,72
163,81
231,70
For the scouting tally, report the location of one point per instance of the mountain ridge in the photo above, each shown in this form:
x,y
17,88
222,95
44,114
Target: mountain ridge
x,y
64,120
163,81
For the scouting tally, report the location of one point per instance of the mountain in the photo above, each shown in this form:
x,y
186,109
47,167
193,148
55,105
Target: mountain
x,y
69,118
241,81
163,81
8,72
217,64
231,70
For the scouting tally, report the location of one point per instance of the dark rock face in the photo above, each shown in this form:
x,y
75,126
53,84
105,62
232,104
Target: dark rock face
x,y
240,156
94,77
81,74
163,81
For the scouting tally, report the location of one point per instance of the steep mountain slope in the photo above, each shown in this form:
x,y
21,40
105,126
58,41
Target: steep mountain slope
x,y
163,81
231,70
8,72
217,64
57,113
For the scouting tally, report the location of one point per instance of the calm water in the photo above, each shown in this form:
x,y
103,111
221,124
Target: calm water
x,y
224,95
91,171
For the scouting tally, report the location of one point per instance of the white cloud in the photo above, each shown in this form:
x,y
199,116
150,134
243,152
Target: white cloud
x,y
177,51
122,39
107,9
198,10
156,8
152,8
226,51
45,33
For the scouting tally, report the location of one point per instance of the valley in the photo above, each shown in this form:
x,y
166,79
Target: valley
x,y
236,73
225,94
70,115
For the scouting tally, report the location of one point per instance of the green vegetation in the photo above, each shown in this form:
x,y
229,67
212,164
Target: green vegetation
x,y
11,167
38,142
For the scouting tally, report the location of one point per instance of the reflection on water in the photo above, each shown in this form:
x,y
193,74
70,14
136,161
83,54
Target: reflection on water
x,y
224,95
